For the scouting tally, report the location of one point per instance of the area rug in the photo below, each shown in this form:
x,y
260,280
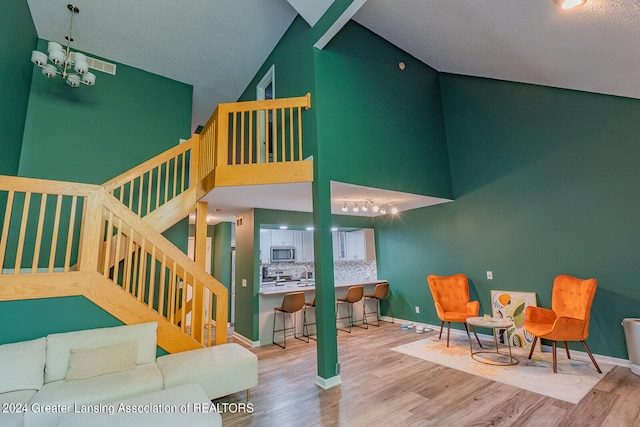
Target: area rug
x,y
574,380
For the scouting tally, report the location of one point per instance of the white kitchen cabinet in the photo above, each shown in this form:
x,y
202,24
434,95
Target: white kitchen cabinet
x,y
302,240
282,238
305,250
355,245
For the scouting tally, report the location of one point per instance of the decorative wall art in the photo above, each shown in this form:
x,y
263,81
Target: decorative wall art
x,y
511,305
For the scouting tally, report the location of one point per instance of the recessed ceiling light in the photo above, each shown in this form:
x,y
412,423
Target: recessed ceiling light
x,y
569,4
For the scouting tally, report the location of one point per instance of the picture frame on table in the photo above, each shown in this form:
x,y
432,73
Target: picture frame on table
x,y
512,305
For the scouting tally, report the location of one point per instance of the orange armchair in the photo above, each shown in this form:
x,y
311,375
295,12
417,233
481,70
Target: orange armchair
x,y
568,319
451,297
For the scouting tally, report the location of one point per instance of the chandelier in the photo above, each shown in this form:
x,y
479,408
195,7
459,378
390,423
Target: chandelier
x,y
71,66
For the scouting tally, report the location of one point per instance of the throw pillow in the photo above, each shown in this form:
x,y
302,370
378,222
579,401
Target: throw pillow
x,y
108,359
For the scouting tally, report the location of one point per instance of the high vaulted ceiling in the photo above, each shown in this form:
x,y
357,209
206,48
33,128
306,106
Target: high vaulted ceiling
x,y
218,45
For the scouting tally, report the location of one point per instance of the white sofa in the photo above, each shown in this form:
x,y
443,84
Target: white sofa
x,y
43,379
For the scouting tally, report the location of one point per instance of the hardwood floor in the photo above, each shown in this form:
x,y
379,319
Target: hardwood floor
x,y
381,387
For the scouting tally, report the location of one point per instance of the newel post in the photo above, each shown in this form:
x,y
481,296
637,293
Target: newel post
x,y
90,236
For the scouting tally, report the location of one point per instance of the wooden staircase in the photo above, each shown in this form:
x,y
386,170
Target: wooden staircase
x,y
103,241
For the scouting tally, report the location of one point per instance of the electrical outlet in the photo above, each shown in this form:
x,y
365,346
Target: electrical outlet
x,y
490,275
417,309
244,283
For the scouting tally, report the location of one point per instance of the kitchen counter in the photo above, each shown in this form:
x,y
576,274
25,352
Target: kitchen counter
x,y
269,288
271,296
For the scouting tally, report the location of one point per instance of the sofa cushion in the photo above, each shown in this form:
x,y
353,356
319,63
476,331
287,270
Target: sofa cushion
x,y
16,404
22,366
181,406
107,359
220,370
59,345
67,395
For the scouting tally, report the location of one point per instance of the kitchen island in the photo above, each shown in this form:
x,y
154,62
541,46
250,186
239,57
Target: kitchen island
x,y
271,296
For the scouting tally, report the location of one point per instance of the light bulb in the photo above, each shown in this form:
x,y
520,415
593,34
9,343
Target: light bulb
x,y
365,208
383,211
375,208
394,210
344,208
355,208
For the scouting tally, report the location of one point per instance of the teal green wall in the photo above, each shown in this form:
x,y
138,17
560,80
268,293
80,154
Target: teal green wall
x,y
221,253
378,125
30,319
545,183
86,134
92,134
17,39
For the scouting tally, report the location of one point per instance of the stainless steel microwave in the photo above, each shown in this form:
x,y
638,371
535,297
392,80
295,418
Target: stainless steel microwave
x,y
283,254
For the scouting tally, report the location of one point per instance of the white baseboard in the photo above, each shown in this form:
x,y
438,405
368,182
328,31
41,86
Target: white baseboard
x,y
581,355
245,340
327,383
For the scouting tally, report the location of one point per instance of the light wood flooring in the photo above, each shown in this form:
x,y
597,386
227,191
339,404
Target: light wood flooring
x,y
381,387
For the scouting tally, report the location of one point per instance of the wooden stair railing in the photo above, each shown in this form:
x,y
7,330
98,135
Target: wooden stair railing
x,y
48,227
59,238
159,189
161,276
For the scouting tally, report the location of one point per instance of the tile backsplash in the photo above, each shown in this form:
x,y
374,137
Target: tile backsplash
x,y
343,271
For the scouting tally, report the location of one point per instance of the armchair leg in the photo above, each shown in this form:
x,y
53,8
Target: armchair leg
x,y
533,345
566,347
448,332
555,358
441,326
586,347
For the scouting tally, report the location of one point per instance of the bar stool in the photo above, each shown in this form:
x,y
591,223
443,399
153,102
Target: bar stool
x,y
381,292
291,304
305,322
354,294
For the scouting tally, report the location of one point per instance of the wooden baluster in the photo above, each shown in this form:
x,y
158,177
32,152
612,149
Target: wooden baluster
x,y
140,189
234,146
5,228
54,234
264,123
251,136
135,268
167,168
131,190
183,320
162,289
128,260
175,176
158,187
255,151
183,181
172,294
242,137
116,262
152,277
149,192
23,230
291,137
241,132
300,131
72,221
209,311
107,247
143,270
36,249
